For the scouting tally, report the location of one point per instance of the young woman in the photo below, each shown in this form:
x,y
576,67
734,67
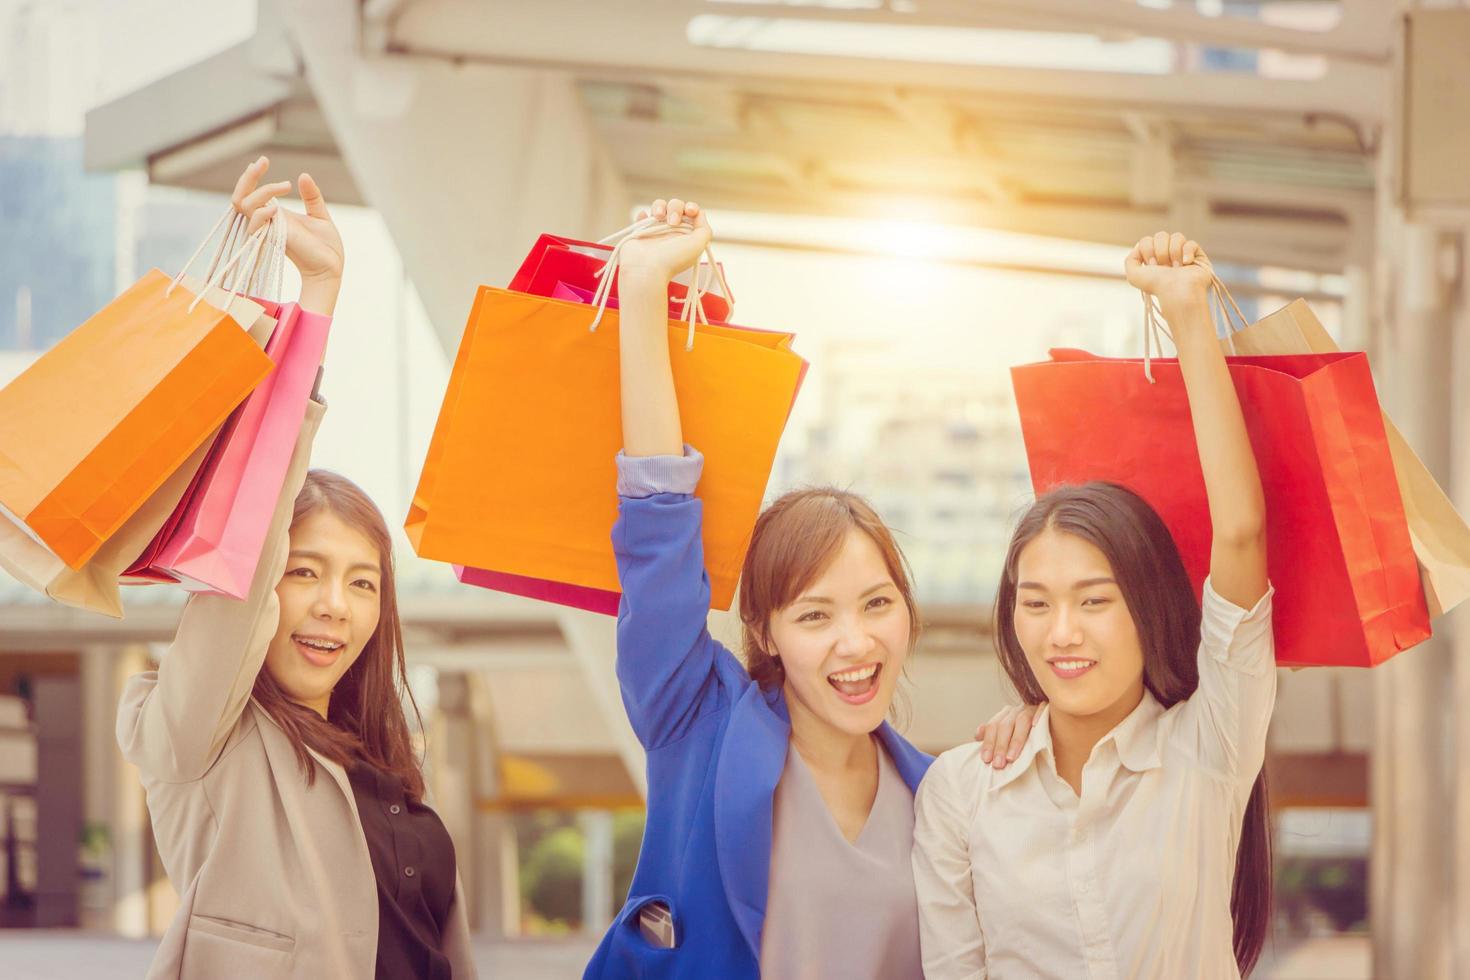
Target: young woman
x,y
780,803
1129,838
282,785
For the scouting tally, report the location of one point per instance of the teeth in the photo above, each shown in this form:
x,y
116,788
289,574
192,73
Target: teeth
x,y
318,644
1072,664
852,676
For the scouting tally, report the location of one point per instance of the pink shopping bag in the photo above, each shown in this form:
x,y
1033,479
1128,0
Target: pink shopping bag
x,y
213,542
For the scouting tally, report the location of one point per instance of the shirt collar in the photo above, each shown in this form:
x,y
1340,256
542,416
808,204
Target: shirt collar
x,y
1136,739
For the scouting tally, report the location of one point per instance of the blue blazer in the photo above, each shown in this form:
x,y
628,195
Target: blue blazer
x,y
716,747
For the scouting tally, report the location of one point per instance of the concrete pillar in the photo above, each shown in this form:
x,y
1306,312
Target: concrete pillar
x,y
58,721
102,769
132,834
452,744
597,870
467,163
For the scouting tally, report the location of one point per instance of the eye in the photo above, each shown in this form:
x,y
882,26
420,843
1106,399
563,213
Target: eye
x,y
367,584
1096,600
1033,604
815,615
302,572
879,602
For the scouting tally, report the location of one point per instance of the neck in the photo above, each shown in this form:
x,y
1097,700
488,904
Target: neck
x,y
1073,737
319,705
825,747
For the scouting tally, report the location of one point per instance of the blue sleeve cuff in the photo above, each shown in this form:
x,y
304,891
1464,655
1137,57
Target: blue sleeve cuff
x,y
644,476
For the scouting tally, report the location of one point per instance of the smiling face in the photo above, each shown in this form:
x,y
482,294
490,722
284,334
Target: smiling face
x,y
330,606
1076,630
843,641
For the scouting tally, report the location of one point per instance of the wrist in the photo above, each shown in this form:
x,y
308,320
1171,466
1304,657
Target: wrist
x,y
641,279
319,295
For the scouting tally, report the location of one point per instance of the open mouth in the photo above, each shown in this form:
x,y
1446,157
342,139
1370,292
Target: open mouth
x,y
319,650
858,685
1068,669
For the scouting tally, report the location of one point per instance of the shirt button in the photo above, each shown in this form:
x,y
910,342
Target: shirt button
x,y
408,872
394,809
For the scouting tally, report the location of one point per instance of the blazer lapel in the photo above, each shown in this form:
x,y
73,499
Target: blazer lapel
x,y
910,762
751,761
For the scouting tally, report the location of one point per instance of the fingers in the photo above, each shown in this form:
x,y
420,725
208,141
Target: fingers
x,y
311,197
1176,249
261,196
248,179
1145,250
260,217
673,211
1161,248
1019,734
985,735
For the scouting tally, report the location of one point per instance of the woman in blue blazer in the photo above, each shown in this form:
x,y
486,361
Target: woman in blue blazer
x,y
780,803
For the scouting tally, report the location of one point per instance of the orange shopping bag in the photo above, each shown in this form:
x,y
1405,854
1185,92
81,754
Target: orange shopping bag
x,y
99,422
521,470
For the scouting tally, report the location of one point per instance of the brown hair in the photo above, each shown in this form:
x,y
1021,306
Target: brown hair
x,y
1161,599
365,716
794,541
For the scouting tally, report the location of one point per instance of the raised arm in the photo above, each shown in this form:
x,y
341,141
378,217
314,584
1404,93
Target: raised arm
x,y
666,656
1227,718
1177,272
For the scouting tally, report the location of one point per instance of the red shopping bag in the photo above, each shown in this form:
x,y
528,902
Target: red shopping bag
x,y
1338,545
555,259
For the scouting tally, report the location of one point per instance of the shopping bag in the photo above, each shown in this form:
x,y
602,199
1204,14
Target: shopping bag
x,y
214,543
1338,546
556,259
98,423
94,586
521,468
1440,535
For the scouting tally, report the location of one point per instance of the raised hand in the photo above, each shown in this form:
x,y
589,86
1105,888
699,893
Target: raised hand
x,y
313,243
665,256
1171,267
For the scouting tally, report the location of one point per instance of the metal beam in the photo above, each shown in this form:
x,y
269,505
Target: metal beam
x,y
1361,35
649,41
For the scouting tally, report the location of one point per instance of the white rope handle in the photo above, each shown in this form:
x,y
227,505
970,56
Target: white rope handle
x,y
1153,320
650,227
252,246
205,242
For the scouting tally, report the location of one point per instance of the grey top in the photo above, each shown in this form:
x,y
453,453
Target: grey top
x,y
839,909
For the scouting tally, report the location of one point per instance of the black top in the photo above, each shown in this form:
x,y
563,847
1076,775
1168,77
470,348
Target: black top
x,y
413,861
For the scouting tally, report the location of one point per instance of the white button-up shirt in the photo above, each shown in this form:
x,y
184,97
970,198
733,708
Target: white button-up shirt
x,y
1018,876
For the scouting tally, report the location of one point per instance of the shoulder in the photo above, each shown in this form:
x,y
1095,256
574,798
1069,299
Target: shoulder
x,y
957,778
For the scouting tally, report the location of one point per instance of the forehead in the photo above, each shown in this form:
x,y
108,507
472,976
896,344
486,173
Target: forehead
x,y
328,535
858,563
1055,556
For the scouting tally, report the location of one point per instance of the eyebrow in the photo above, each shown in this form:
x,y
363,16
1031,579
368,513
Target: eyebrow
x,y
317,556
1086,583
823,599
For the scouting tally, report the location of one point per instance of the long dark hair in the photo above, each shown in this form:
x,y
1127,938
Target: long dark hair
x,y
365,716
1160,597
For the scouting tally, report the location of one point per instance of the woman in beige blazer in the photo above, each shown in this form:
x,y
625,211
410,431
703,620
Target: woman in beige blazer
x,y
287,802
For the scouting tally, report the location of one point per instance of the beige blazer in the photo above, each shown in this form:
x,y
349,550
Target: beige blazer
x,y
274,877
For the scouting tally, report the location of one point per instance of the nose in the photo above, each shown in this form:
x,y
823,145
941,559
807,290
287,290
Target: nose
x,y
331,601
1066,631
853,638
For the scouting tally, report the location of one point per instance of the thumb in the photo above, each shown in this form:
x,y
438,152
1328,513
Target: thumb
x,y
311,197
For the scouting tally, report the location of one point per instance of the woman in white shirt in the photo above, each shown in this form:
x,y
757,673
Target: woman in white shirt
x,y
1129,838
